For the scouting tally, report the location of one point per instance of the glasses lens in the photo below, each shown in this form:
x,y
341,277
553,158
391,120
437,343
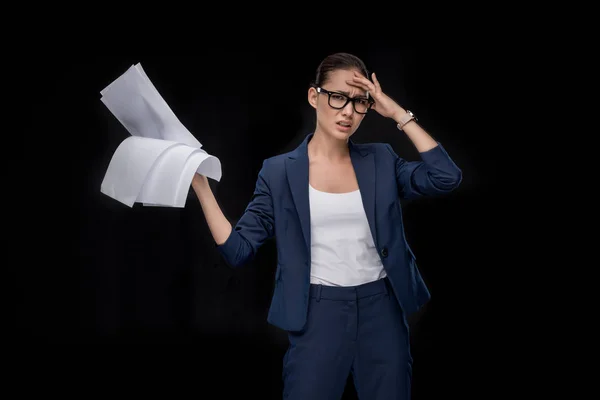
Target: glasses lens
x,y
361,105
337,100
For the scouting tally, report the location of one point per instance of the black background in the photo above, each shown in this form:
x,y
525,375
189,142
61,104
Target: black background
x,y
144,289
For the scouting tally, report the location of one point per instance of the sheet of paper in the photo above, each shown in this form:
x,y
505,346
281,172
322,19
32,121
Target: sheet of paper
x,y
201,162
162,180
156,164
198,162
135,102
129,167
156,172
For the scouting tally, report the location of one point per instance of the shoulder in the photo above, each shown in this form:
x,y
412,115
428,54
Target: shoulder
x,y
379,149
272,166
373,146
277,160
274,163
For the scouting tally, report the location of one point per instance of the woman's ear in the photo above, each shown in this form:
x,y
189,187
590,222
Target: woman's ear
x,y
312,97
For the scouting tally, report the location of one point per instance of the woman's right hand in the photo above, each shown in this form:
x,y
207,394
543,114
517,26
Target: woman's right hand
x,y
199,180
220,227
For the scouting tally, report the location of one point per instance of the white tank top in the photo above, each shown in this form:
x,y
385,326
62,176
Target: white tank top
x,y
343,252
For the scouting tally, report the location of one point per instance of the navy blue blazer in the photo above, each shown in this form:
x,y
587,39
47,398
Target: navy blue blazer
x,y
279,208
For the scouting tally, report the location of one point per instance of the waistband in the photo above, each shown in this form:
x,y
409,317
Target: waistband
x,y
349,292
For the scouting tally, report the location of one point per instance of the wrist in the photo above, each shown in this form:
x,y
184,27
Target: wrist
x,y
404,119
397,117
199,181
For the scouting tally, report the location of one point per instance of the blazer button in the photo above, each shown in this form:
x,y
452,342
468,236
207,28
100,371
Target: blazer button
x,y
384,252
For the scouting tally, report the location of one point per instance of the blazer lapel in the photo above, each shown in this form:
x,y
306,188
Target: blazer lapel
x,y
364,167
297,174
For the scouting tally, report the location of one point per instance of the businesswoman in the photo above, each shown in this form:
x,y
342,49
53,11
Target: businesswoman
x,y
346,279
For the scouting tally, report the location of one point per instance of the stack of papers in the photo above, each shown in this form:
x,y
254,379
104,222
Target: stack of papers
x,y
156,164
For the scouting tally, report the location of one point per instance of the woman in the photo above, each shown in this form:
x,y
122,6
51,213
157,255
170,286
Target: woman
x,y
346,279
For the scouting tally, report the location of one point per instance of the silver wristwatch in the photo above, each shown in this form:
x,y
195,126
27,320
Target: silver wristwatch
x,y
406,118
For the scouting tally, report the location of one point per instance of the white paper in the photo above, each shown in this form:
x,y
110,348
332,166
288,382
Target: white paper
x,y
155,166
209,166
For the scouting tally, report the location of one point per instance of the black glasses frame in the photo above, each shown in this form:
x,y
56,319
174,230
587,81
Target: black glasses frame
x,y
348,99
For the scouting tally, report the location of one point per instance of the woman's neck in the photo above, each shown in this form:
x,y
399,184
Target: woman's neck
x,y
326,147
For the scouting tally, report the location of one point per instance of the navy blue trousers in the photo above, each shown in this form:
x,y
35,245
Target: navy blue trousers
x,y
359,330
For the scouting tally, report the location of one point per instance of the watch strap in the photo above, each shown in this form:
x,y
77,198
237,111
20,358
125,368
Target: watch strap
x,y
405,119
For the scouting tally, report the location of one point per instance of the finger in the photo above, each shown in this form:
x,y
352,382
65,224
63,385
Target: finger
x,y
376,82
370,85
364,83
358,84
358,77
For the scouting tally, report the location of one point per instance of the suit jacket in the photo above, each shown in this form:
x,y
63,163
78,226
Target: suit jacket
x,y
279,207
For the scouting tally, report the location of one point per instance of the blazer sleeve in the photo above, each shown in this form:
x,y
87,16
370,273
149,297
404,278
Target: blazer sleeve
x,y
254,227
435,174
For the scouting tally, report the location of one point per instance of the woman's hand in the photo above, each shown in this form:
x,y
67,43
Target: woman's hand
x,y
384,105
199,180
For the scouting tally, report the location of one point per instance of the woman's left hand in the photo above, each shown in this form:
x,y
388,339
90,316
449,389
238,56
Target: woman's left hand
x,y
384,105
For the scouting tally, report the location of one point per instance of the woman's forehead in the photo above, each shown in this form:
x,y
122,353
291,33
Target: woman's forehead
x,y
338,82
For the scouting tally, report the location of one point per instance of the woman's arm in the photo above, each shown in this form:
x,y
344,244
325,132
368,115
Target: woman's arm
x,y
219,226
238,245
436,173
420,138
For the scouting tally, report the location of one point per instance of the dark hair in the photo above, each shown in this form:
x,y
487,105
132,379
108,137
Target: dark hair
x,y
338,61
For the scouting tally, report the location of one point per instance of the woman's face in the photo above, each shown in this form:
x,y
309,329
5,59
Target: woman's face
x,y
339,123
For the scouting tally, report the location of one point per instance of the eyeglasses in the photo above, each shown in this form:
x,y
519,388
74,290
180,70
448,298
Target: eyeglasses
x,y
339,100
